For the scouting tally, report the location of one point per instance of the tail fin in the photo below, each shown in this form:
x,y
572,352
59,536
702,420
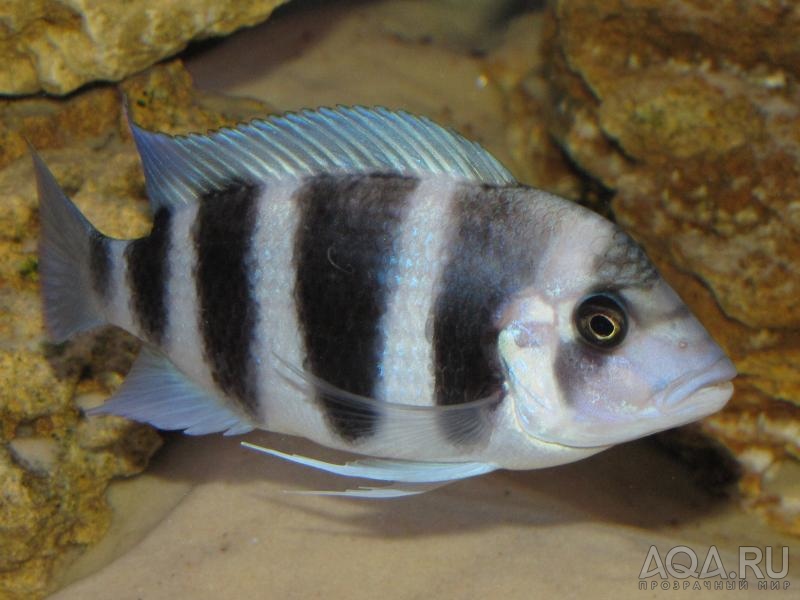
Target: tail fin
x,y
65,260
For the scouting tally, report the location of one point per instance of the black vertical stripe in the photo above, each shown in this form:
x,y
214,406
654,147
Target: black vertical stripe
x,y
491,255
148,270
223,237
343,247
99,264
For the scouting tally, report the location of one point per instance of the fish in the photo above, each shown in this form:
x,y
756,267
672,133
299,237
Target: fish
x,y
378,284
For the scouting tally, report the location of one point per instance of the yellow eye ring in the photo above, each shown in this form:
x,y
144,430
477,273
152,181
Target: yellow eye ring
x,y
601,321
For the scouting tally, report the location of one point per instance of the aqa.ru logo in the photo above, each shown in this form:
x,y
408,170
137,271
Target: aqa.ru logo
x,y
681,562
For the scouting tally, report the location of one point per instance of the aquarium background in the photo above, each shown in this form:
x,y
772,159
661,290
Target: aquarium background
x,y
677,119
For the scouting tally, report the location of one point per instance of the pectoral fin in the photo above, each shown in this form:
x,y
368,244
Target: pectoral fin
x,y
403,425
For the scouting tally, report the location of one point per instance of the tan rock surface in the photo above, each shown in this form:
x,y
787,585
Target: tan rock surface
x,y
54,465
689,112
57,46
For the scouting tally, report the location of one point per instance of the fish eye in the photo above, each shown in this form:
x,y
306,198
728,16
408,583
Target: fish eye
x,y
601,320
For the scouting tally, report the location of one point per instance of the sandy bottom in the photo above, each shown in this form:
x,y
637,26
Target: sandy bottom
x,y
211,519
232,530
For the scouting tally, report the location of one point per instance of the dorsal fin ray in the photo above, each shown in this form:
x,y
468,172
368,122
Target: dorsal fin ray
x,y
178,169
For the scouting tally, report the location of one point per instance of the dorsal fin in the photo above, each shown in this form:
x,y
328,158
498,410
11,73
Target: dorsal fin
x,y
329,140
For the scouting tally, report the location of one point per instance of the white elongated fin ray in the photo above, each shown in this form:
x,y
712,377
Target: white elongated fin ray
x,y
383,469
402,425
409,477
328,140
156,392
381,492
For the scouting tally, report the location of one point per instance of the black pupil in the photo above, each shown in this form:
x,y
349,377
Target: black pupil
x,y
601,321
602,326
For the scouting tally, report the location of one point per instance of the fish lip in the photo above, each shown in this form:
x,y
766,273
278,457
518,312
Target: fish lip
x,y
697,394
688,392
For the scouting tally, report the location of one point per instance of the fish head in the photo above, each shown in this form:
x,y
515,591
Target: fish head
x,y
601,350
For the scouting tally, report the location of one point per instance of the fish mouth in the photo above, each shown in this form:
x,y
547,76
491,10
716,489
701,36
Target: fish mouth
x,y
699,392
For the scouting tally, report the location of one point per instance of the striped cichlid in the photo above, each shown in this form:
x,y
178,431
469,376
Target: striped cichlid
x,y
378,284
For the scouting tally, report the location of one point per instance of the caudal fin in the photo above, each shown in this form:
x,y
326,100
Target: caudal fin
x,y
66,244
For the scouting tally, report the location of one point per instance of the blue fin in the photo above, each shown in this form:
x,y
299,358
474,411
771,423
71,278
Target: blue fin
x,y
156,392
409,477
338,140
65,238
380,492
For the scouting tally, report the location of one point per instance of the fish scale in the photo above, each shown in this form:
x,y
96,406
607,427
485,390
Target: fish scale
x,y
407,364
147,268
344,245
227,312
378,284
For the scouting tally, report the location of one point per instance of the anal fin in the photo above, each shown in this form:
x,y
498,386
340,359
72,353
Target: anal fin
x,y
156,392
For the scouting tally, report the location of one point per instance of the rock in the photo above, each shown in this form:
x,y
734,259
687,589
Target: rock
x,y
55,465
57,47
517,68
689,112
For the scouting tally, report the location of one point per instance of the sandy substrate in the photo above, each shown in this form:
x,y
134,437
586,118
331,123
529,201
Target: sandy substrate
x,y
211,519
582,530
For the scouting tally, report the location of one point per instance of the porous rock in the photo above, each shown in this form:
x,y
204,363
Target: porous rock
x,y
688,111
57,46
55,465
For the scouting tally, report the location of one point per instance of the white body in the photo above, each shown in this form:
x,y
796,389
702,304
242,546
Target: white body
x,y
564,338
